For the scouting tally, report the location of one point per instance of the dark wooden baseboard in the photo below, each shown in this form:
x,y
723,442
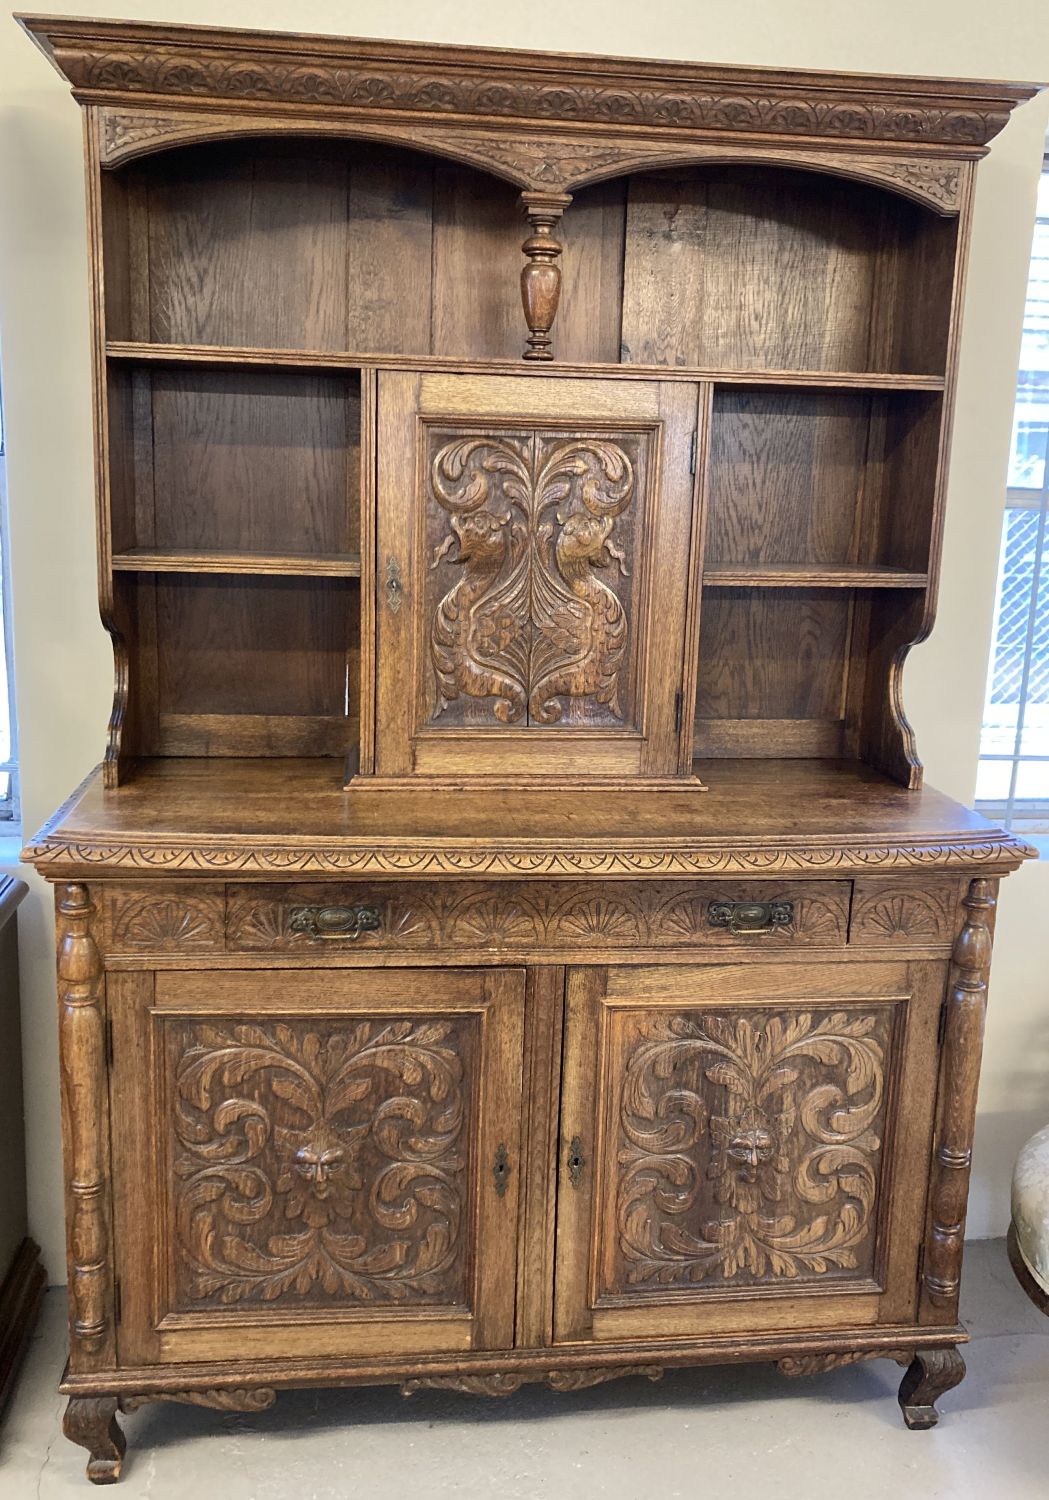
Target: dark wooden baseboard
x,y
20,1298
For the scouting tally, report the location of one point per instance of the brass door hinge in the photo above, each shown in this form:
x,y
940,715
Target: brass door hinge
x,y
679,701
694,452
118,1301
107,1040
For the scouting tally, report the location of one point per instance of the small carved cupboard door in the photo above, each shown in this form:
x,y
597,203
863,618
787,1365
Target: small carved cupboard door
x,y
328,1159
744,1148
535,548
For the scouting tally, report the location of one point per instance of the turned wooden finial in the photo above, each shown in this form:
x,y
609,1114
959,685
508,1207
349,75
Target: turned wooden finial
x,y
541,277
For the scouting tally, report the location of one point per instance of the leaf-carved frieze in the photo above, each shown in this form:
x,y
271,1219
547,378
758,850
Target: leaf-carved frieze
x,y
748,1149
359,80
225,1398
531,538
531,916
797,1366
55,853
320,1161
508,1382
532,161
938,182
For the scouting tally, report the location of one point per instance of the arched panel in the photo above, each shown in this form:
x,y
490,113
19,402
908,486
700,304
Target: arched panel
x,y
530,160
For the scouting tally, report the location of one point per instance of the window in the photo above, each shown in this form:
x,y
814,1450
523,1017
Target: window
x,y
1012,784
9,810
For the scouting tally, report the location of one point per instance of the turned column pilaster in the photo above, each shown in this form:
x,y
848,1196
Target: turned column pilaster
x,y
541,276
963,1022
83,1071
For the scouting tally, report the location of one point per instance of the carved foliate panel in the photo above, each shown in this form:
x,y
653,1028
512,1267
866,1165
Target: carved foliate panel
x,y
321,1162
746,1149
532,558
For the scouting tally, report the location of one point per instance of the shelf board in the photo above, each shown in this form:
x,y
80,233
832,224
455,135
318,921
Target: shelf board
x,y
292,565
218,357
811,576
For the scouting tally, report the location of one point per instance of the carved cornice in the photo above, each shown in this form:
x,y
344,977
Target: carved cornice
x,y
105,60
530,160
57,856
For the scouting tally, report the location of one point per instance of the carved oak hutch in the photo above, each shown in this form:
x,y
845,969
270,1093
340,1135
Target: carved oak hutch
x,y
507,939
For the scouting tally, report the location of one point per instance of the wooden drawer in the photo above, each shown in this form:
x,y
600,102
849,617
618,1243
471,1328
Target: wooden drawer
x,y
533,918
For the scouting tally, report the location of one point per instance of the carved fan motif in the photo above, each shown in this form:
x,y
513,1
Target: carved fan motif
x,y
893,916
749,1148
491,921
599,917
146,923
527,621
320,1161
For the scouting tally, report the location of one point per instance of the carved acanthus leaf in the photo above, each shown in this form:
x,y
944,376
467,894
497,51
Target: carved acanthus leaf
x,y
241,1398
319,1162
748,1148
523,524
507,1382
795,1366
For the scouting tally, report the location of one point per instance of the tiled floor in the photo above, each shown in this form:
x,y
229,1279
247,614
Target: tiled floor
x,y
735,1433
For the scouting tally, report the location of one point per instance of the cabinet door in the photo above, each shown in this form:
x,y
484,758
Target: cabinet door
x,y
534,539
744,1147
315,1163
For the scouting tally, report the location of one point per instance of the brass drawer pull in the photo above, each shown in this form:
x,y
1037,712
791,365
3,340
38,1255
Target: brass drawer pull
x,y
335,921
745,917
501,1169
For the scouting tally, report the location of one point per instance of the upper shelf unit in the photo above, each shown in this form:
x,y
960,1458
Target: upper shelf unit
x,y
365,250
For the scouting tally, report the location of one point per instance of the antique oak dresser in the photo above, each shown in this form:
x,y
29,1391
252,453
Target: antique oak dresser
x,y
507,939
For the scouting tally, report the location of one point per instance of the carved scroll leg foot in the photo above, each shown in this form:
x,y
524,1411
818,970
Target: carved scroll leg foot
x,y
931,1373
92,1422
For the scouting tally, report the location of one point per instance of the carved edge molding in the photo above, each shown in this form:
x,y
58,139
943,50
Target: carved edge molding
x,y
103,60
507,1382
256,1398
964,1009
796,1366
82,1053
54,855
532,162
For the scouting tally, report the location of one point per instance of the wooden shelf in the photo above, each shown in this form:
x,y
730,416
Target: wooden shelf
x,y
811,576
218,357
172,560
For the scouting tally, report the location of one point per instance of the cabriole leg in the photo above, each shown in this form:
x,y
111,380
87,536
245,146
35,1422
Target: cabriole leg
x,y
92,1422
931,1373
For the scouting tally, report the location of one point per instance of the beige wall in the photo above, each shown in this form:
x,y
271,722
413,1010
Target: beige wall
x,y
62,655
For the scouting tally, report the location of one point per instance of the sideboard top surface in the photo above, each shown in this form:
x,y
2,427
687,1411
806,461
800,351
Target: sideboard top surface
x,y
267,817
